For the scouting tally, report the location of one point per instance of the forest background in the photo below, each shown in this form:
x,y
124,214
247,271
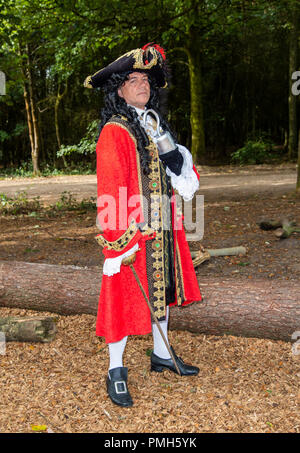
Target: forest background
x,y
235,81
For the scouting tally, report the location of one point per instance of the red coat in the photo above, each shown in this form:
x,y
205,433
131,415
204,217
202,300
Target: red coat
x,y
122,309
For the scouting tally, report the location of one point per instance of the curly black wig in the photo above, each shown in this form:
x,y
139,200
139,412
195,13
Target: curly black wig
x,y
115,105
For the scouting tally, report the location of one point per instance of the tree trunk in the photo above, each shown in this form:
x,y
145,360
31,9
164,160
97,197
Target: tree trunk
x,y
58,99
196,114
35,151
28,113
27,106
298,166
42,329
252,308
30,105
293,66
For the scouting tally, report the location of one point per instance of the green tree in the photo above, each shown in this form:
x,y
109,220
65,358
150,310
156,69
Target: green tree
x,y
294,18
21,40
229,59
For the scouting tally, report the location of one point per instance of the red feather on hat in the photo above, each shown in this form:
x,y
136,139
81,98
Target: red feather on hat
x,y
157,47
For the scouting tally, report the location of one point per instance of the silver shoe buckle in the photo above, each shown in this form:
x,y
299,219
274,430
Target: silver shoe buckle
x,y
124,386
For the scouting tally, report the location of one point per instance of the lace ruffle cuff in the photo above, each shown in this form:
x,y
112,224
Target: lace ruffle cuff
x,y
187,182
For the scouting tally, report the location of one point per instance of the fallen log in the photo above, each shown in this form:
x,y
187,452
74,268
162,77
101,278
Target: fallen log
x,y
258,308
271,224
283,228
32,329
287,229
199,256
228,251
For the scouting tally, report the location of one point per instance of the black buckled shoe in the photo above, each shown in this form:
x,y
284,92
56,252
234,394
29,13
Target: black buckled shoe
x,y
117,387
158,364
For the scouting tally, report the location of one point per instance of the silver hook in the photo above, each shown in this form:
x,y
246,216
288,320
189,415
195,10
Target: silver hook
x,y
145,114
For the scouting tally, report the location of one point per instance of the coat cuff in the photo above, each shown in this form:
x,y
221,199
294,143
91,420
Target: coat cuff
x,y
113,249
173,160
112,266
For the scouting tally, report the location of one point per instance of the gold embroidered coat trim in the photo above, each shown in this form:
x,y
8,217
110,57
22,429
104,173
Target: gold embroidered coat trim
x,y
119,244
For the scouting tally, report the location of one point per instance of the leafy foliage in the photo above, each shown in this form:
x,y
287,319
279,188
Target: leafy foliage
x,y
240,52
67,202
85,146
19,204
254,152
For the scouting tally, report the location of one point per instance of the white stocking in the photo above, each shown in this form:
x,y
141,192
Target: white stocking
x,y
116,353
159,347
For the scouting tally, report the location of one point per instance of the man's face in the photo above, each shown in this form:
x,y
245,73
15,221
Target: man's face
x,y
136,90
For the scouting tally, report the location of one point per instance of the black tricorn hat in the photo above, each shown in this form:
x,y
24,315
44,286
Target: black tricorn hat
x,y
150,59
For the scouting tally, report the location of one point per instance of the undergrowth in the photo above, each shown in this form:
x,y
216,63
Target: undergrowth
x,y
19,204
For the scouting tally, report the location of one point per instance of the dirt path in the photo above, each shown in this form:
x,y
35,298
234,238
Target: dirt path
x,y
216,183
235,200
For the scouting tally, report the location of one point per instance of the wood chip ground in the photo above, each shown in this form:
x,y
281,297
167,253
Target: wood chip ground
x,y
244,385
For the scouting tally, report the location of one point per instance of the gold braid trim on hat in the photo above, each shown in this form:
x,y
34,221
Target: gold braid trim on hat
x,y
137,54
139,63
88,82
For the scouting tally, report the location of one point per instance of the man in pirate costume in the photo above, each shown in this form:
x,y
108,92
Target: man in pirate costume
x,y
132,180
